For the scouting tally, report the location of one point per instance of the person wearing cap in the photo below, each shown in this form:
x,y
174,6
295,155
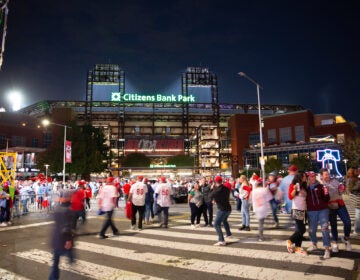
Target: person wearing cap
x,y
62,238
137,196
163,194
284,187
221,196
106,201
261,206
337,208
272,185
77,205
318,212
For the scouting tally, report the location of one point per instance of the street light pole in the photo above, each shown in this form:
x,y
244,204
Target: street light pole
x,y
345,161
262,160
46,123
46,171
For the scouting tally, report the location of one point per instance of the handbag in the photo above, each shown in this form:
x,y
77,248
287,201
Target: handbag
x,y
199,203
298,214
101,212
128,210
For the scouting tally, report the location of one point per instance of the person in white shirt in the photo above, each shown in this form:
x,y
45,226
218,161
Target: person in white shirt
x,y
163,195
137,196
107,199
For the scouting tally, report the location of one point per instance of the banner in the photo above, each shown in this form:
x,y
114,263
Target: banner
x,y
68,152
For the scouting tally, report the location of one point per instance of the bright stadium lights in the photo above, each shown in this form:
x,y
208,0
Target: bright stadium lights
x,y
15,98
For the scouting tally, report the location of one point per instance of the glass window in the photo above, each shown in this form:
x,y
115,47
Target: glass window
x,y
271,136
285,134
47,140
35,142
299,133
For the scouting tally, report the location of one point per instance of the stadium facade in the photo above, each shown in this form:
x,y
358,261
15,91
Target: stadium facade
x,y
192,122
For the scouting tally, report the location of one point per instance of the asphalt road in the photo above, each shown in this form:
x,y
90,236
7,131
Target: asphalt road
x,y
174,253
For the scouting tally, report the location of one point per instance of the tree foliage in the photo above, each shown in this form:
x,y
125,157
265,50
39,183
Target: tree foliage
x,y
352,152
273,164
302,163
181,160
136,160
89,152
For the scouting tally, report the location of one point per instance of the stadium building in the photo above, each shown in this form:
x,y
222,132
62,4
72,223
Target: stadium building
x,y
222,138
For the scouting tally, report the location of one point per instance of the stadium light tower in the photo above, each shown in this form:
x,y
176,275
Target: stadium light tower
x,y
262,160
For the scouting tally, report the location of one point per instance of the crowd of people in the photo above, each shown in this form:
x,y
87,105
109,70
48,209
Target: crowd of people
x,y
308,199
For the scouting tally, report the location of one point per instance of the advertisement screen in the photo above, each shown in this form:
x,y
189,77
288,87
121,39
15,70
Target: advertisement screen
x,y
103,92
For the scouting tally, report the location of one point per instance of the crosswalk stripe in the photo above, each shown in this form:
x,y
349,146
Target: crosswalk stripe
x,y
8,275
237,252
199,235
228,269
84,268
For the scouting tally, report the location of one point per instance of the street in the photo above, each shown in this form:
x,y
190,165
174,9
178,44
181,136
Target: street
x,y
177,252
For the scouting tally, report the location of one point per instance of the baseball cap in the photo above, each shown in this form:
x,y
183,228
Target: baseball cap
x,y
218,179
292,168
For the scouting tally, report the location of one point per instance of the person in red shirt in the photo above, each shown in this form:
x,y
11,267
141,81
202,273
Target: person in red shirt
x,y
77,205
88,195
126,190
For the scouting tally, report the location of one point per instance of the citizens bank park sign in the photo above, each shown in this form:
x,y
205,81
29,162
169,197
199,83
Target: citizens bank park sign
x,y
156,97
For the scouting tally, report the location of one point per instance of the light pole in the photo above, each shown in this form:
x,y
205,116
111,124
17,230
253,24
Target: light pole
x,y
345,161
46,123
262,160
247,166
46,171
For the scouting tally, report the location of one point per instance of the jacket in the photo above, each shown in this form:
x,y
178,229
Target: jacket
x,y
316,199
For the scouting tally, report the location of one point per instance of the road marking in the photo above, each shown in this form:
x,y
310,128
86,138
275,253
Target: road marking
x,y
238,252
216,267
8,275
84,268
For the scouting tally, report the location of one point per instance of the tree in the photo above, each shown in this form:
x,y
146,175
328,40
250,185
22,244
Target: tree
x,y
302,163
352,152
273,164
136,160
89,152
181,160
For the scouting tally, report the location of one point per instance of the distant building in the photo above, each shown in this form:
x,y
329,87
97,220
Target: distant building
x,y
287,136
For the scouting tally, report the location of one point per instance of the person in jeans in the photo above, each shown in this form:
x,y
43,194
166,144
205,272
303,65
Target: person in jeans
x,y
297,193
244,194
221,196
337,208
163,196
149,201
195,201
62,240
273,185
318,212
207,206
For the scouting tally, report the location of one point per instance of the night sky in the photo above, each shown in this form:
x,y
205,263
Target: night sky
x,y
301,52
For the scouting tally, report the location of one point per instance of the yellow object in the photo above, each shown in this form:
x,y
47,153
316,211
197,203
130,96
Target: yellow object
x,y
8,170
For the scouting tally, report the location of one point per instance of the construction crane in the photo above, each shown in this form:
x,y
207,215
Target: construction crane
x,y
3,22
